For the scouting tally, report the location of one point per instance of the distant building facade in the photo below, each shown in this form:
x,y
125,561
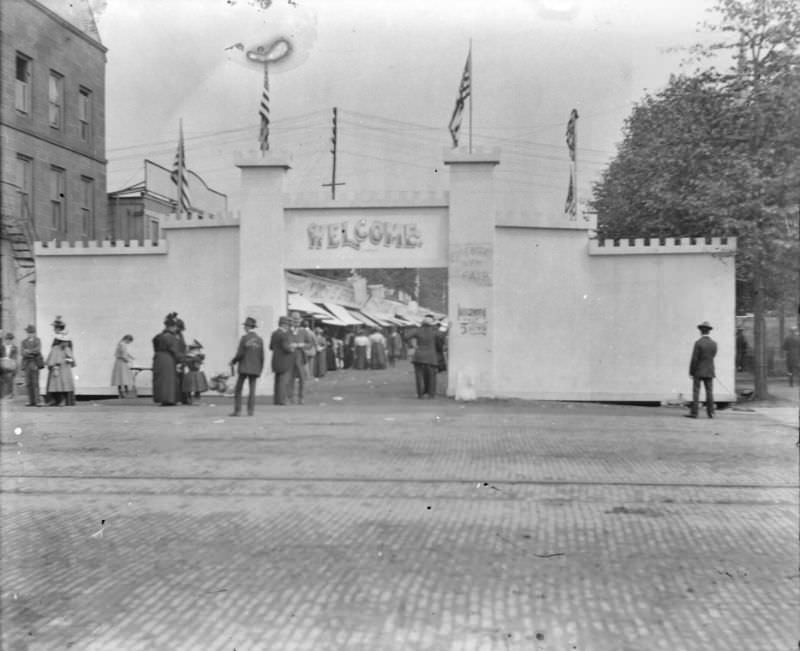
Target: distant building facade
x,y
52,129
135,212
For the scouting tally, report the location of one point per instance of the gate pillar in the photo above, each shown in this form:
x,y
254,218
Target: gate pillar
x,y
262,288
471,273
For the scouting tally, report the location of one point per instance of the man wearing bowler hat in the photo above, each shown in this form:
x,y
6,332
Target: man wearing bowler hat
x,y
250,358
282,360
701,369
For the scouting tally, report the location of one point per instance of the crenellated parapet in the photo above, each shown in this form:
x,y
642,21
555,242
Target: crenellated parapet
x,y
398,199
656,246
100,247
199,220
526,218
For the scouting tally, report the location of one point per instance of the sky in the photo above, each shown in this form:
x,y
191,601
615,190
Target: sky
x,y
392,68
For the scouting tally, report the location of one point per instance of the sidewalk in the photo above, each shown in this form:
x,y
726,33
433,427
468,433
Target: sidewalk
x,y
783,405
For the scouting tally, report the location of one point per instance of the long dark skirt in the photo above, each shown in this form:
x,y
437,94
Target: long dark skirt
x,y
378,357
360,361
165,379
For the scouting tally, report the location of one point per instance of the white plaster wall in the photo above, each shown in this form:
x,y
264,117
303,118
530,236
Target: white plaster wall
x,y
605,327
104,296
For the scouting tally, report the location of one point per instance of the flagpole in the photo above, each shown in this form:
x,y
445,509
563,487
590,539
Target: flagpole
x,y
180,167
471,93
575,167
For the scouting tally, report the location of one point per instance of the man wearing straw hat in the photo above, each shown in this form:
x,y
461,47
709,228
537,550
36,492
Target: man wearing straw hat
x,y
701,369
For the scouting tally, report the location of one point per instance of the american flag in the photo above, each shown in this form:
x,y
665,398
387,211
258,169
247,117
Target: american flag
x,y
263,112
571,204
573,119
464,91
179,176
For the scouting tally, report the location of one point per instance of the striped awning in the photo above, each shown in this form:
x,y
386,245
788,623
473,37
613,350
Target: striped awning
x,y
340,313
299,303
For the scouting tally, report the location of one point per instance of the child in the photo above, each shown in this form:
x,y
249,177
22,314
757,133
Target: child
x,y
194,380
121,376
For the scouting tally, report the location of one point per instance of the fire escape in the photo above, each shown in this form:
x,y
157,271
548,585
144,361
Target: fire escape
x,y
19,232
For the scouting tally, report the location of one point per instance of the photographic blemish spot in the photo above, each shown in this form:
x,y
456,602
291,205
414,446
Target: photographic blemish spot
x,y
17,431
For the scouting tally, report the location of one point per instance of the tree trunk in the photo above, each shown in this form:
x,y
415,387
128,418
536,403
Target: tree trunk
x,y
759,347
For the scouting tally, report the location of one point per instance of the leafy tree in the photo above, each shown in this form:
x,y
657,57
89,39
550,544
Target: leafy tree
x,y
717,152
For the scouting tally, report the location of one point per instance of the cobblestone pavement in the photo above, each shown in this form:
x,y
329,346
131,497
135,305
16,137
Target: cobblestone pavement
x,y
372,521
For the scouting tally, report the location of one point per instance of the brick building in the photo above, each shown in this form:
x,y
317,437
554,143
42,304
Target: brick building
x,y
52,129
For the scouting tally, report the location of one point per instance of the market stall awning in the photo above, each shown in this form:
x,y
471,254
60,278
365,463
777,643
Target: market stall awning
x,y
341,314
379,319
406,321
299,303
363,318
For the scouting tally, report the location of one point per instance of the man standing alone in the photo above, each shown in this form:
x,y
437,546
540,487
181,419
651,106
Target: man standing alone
x,y
426,363
32,361
701,369
250,357
282,360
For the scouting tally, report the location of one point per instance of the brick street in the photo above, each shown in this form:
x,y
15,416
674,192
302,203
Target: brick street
x,y
369,520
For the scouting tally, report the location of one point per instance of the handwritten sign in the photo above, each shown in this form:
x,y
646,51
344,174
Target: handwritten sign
x,y
472,321
472,263
362,232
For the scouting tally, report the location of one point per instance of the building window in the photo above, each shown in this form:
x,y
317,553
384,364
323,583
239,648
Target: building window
x,y
25,186
58,200
85,114
154,228
56,99
22,84
87,207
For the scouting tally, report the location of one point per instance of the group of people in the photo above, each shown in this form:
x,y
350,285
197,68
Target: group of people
x,y
29,359
178,376
294,348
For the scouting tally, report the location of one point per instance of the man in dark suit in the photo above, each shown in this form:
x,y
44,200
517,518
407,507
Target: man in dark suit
x,y
250,357
701,369
302,341
426,360
282,360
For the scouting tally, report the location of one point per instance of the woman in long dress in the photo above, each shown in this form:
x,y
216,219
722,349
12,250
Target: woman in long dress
x,y
360,346
377,350
166,357
121,375
60,381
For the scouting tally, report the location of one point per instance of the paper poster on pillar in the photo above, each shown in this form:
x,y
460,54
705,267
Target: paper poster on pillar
x,y
471,264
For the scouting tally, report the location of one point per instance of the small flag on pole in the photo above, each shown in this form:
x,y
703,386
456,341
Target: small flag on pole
x,y
179,176
571,204
263,112
464,92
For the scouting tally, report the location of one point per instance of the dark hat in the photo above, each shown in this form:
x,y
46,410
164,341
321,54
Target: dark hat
x,y
250,322
284,320
58,323
171,319
30,328
181,325
705,325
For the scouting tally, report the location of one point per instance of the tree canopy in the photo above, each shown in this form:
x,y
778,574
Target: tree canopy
x,y
717,151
